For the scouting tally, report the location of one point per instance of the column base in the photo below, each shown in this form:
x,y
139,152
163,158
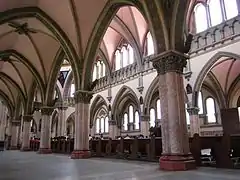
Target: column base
x,y
177,162
80,154
44,151
24,149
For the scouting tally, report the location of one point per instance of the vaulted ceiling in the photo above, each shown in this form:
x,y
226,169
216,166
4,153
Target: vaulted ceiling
x,y
34,34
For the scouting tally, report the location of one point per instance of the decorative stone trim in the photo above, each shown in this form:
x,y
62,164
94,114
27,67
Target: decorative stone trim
x,y
83,96
170,61
27,118
47,110
193,110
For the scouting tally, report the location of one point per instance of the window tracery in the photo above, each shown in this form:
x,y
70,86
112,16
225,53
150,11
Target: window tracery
x,y
99,70
131,117
155,113
214,12
124,57
102,125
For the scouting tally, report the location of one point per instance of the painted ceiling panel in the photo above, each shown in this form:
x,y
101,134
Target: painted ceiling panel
x,y
88,12
63,16
111,40
26,48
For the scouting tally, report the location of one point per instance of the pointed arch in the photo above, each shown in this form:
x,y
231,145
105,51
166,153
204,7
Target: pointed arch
x,y
9,104
100,28
49,23
207,67
98,103
124,95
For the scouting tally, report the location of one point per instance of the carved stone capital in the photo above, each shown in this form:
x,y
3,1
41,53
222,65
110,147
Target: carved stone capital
x,y
170,61
47,110
83,97
27,118
193,110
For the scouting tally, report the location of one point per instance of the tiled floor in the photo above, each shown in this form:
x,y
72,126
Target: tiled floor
x,y
15,165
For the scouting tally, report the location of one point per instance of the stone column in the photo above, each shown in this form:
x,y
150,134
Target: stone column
x,y
15,132
113,129
45,140
61,130
175,151
82,122
145,125
26,132
194,120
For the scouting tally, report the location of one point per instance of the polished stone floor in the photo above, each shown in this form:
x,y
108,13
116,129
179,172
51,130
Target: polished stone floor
x,y
15,165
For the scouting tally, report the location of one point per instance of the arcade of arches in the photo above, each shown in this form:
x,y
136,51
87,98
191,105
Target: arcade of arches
x,y
117,70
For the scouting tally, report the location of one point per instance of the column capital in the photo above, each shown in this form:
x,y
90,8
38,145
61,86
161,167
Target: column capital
x,y
193,110
27,118
46,110
170,61
83,96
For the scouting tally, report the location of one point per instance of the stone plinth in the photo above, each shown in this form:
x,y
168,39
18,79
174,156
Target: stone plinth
x,y
80,154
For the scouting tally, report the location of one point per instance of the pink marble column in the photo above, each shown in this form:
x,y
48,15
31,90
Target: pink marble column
x,y
45,140
194,120
176,154
82,122
15,133
26,132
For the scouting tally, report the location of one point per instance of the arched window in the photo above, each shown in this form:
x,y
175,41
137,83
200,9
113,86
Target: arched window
x,y
200,18
158,109
200,103
106,125
103,69
215,11
117,60
136,120
124,56
130,111
102,123
187,115
97,125
152,118
125,122
210,106
72,90
130,54
98,69
150,46
231,8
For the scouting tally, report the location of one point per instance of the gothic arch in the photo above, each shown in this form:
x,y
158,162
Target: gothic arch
x,y
207,67
124,96
97,104
67,85
153,88
100,28
71,121
60,35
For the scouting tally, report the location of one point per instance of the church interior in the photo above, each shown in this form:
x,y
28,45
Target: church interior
x,y
150,81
